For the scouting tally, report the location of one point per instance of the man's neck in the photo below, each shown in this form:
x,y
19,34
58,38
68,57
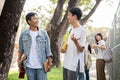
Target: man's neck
x,y
76,24
33,28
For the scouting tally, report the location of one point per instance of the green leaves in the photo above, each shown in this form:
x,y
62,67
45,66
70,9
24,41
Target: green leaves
x,y
85,2
54,1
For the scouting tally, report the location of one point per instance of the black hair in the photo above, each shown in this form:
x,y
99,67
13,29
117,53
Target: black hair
x,y
76,11
101,36
29,16
89,48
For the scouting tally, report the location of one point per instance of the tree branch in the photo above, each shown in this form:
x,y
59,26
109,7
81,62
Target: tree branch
x,y
58,12
64,23
84,20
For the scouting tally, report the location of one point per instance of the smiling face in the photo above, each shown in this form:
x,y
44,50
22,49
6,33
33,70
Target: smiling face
x,y
34,21
98,38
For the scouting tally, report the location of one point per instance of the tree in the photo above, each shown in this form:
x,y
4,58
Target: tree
x,y
59,25
9,22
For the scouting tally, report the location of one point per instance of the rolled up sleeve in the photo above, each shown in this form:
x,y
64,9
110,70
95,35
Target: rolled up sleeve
x,y
20,48
48,48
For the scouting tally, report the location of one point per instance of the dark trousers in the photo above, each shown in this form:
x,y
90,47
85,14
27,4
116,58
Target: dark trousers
x,y
69,75
87,74
100,66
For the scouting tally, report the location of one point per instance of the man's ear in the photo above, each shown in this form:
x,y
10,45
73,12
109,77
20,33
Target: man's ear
x,y
75,16
29,21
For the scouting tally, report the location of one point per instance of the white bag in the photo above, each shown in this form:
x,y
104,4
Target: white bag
x,y
87,59
108,55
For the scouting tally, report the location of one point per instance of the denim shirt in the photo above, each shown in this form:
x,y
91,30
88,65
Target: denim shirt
x,y
43,45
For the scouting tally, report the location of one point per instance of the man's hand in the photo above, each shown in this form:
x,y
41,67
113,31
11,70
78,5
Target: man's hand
x,y
24,57
50,62
62,50
74,39
19,63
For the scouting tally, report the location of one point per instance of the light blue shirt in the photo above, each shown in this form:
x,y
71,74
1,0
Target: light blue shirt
x,y
42,41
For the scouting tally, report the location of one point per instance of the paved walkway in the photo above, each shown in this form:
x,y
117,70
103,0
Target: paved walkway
x,y
93,70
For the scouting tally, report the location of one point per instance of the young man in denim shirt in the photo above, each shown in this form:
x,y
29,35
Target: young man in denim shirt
x,y
35,45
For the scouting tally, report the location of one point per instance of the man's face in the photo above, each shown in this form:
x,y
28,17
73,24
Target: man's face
x,y
34,21
71,18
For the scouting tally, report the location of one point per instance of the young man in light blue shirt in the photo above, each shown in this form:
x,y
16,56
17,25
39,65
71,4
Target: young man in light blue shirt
x,y
35,45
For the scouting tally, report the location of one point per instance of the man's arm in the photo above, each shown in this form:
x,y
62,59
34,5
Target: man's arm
x,y
19,56
50,61
19,59
80,43
47,46
48,49
20,50
79,47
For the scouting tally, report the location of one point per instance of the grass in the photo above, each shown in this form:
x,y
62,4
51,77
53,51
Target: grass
x,y
54,74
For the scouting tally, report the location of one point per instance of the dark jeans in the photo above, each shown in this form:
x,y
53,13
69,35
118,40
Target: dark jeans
x,y
87,74
81,76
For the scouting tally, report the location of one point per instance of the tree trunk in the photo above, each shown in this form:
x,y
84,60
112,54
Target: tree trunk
x,y
9,22
57,27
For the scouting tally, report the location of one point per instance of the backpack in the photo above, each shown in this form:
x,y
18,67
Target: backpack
x,y
87,59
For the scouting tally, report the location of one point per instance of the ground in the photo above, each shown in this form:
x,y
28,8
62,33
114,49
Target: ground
x,y
56,73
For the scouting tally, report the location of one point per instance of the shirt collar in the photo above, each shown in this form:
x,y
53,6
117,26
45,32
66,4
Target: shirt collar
x,y
39,32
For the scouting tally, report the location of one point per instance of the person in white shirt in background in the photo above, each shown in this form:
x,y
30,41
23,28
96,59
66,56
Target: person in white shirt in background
x,y
100,63
88,60
73,67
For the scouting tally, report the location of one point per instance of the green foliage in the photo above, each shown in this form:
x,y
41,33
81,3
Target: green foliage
x,y
23,24
54,1
45,13
82,2
43,19
86,6
54,74
85,2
